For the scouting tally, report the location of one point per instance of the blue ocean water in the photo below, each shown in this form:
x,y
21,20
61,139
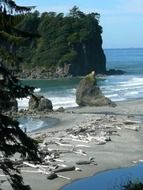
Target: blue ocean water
x,y
109,180
116,87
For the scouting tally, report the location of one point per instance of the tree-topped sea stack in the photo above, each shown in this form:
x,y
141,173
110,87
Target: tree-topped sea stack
x,y
69,45
89,94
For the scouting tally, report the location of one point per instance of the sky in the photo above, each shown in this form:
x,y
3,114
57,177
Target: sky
x,y
122,20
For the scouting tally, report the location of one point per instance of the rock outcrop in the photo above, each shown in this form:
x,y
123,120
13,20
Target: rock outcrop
x,y
89,94
39,103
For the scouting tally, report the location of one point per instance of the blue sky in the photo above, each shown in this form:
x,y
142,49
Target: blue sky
x,y
122,20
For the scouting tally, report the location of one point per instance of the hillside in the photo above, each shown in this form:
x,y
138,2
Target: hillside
x,y
68,45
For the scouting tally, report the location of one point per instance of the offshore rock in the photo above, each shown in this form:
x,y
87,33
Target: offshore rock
x,y
89,94
39,103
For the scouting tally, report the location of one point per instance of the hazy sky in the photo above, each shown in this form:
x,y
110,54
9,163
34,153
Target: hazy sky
x,y
122,20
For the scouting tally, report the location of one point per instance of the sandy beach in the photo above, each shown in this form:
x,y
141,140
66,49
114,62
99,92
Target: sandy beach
x,y
89,139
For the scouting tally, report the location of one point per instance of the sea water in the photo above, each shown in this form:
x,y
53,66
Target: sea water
x,y
124,87
109,180
117,87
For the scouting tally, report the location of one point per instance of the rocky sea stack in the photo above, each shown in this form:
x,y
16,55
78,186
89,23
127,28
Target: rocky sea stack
x,y
89,94
39,103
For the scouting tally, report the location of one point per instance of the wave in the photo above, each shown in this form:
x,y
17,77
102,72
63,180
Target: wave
x,y
23,103
117,88
57,101
123,88
37,89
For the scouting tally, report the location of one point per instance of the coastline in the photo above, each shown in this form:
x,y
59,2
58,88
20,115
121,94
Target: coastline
x,y
124,149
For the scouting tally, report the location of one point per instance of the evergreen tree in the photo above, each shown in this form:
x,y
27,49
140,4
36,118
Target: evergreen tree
x,y
12,139
67,41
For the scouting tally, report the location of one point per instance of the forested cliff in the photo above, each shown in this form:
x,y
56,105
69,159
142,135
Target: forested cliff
x,y
67,45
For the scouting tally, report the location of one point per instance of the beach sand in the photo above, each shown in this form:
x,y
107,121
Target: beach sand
x,y
123,125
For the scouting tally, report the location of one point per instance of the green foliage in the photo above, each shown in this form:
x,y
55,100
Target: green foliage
x,y
64,39
12,139
133,186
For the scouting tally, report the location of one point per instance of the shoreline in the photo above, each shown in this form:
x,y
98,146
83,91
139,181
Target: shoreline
x,y
128,110
122,149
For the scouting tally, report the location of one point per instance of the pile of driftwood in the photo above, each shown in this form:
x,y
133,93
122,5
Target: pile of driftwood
x,y
72,141
76,142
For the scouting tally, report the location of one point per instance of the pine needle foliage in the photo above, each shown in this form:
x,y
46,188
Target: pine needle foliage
x,y
14,143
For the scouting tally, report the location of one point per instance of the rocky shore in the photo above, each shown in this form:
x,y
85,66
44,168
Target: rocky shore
x,y
85,141
42,73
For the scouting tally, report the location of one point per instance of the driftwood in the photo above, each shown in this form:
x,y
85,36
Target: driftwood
x,y
52,176
80,152
59,160
43,171
64,169
130,122
62,144
82,145
84,162
134,128
78,140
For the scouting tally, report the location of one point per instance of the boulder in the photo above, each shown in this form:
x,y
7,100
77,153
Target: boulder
x,y
39,103
60,109
89,94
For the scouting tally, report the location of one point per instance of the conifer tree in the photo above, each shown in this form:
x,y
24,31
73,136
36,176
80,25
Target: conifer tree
x,y
13,141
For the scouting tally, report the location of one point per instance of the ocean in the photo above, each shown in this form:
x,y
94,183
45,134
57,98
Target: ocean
x,y
117,87
109,180
124,87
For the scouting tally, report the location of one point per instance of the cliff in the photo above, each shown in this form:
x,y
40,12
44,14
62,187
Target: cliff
x,y
68,45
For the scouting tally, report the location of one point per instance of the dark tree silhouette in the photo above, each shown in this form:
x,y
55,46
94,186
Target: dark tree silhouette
x,y
13,141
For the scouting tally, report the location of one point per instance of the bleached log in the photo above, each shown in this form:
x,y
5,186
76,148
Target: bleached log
x,y
30,165
73,136
60,144
83,141
78,169
134,128
40,167
80,152
90,138
59,160
82,145
64,177
62,165
101,143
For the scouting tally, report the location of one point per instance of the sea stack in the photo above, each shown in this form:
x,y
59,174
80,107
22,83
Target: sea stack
x,y
89,94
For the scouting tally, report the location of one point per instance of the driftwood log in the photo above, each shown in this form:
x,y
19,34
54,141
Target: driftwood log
x,y
64,169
